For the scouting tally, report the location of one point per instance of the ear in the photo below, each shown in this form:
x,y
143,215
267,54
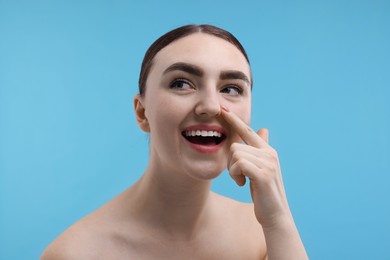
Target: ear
x,y
140,116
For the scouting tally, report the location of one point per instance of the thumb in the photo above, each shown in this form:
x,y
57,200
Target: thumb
x,y
263,133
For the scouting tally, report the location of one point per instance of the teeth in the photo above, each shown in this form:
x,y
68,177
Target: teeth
x,y
203,133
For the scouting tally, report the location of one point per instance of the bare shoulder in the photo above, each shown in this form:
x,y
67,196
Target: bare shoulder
x,y
242,213
80,241
241,219
93,237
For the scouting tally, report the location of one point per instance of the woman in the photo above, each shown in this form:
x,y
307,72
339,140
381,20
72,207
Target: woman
x,y
195,102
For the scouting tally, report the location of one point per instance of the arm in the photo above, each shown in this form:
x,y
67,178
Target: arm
x,y
283,242
258,161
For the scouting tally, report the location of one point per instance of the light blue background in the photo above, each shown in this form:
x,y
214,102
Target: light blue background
x,y
69,142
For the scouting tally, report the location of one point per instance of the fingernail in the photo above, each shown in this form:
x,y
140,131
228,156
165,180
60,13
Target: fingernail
x,y
225,108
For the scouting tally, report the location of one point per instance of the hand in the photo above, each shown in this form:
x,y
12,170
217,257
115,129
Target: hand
x,y
259,162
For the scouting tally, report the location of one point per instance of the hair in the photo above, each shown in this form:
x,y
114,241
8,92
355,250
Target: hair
x,y
176,34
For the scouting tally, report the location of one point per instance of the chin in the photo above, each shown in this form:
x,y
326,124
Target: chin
x,y
206,172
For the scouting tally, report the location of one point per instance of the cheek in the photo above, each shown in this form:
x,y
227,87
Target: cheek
x,y
164,115
160,119
243,111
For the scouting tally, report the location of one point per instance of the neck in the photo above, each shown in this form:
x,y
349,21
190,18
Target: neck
x,y
172,201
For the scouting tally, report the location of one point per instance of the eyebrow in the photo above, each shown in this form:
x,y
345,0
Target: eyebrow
x,y
197,71
234,74
189,68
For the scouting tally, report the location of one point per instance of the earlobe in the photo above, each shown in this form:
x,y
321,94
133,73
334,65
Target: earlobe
x,y
140,116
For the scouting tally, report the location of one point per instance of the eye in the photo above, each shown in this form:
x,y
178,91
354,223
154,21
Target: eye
x,y
232,90
180,84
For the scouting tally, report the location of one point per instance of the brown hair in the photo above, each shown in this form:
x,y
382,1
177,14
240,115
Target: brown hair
x,y
176,34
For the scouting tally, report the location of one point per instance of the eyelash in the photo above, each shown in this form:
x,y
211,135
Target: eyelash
x,y
239,90
172,85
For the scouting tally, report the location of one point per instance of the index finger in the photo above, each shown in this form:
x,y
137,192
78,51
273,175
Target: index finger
x,y
246,133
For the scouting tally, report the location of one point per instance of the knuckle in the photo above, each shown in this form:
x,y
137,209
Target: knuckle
x,y
233,147
274,153
235,156
274,168
274,160
248,130
234,171
241,163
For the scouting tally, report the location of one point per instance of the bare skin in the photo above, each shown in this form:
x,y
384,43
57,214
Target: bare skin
x,y
109,233
170,213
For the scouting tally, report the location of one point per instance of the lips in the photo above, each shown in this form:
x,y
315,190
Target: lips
x,y
204,138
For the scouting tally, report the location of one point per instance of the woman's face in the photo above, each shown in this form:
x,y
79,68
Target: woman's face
x,y
189,81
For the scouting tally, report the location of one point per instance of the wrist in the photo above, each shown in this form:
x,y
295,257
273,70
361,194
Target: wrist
x,y
282,233
279,223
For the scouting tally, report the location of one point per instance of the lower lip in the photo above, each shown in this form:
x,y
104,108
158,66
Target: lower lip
x,y
205,148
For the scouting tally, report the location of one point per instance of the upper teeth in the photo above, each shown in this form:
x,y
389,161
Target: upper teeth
x,y
202,133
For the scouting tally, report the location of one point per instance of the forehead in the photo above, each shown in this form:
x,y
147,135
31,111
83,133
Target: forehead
x,y
206,51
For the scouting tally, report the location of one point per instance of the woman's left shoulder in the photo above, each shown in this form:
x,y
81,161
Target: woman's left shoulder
x,y
243,225
242,213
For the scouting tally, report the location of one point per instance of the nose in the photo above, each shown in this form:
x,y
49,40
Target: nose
x,y
208,104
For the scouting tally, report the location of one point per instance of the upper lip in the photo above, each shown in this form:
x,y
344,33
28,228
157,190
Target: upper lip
x,y
206,128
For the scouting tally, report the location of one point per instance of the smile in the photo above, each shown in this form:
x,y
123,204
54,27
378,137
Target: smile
x,y
204,138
